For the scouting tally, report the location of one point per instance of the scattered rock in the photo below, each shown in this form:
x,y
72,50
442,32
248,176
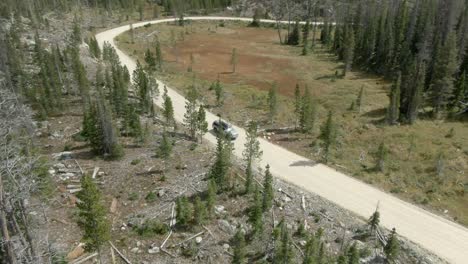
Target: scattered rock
x,y
52,172
161,193
134,250
138,244
219,209
302,243
56,135
226,227
198,239
153,250
226,246
286,199
59,166
63,155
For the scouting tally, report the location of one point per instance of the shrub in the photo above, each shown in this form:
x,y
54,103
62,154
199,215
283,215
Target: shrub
x,y
152,227
151,197
135,162
133,196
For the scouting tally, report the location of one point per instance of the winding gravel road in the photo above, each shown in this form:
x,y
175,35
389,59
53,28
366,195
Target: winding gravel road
x,y
440,236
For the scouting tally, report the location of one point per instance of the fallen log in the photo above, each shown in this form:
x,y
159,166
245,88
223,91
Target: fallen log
x,y
79,261
188,239
120,254
96,169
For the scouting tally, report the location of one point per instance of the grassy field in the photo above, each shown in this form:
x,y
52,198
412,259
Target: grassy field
x,y
414,151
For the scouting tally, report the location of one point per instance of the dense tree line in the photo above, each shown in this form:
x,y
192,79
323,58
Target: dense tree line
x,y
420,45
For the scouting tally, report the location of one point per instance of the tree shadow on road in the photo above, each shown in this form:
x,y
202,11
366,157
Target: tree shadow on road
x,y
303,163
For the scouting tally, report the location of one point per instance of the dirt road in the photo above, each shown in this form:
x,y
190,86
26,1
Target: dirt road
x,y
445,238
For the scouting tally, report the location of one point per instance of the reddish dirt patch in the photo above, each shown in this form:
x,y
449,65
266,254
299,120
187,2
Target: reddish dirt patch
x,y
257,66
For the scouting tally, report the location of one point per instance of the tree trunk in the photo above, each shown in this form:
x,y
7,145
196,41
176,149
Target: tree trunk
x,y
7,245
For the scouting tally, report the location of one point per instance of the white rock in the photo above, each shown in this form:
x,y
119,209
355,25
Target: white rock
x,y
138,244
226,246
63,155
59,166
153,250
198,239
134,250
302,243
226,227
51,171
219,209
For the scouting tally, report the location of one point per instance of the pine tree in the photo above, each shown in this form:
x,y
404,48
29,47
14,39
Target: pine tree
x,y
142,84
218,88
328,135
311,251
159,56
222,163
133,124
268,193
165,147
234,59
98,129
202,124
393,110
192,61
150,60
294,37
251,154
284,251
308,113
305,38
168,112
211,196
359,99
461,93
445,66
256,213
183,211
132,34
92,215
348,49
305,32
80,76
380,157
353,254
416,97
94,48
191,113
256,18
272,103
374,221
392,248
239,248
76,33
199,212
297,103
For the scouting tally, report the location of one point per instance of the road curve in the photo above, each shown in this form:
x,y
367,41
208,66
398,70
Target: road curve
x,y
440,236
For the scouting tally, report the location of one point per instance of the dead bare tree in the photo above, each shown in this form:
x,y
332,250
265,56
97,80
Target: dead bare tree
x,y
17,177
